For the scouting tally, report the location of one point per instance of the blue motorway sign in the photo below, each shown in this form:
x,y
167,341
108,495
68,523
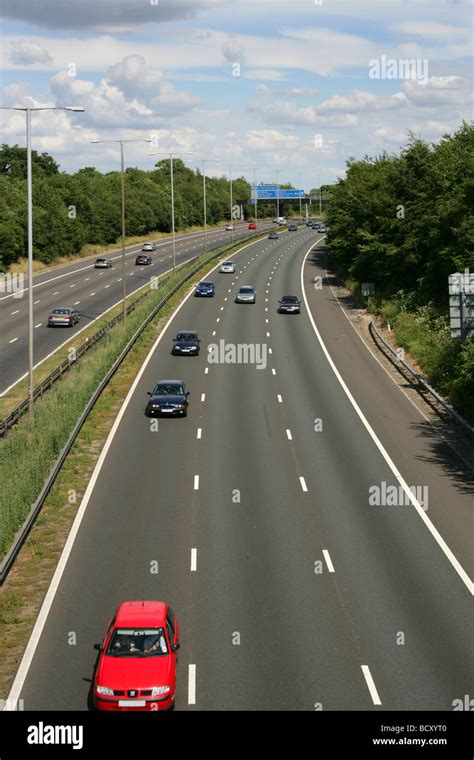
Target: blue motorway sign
x,y
272,192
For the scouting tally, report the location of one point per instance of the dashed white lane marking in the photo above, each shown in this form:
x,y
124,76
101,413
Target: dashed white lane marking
x,y
303,484
268,334
76,303
13,340
38,325
191,685
35,302
413,500
203,396
55,292
273,371
280,400
288,434
86,278
270,351
73,285
193,560
328,561
371,685
196,482
92,294
213,332
218,319
206,371
222,308
15,312
107,286
199,433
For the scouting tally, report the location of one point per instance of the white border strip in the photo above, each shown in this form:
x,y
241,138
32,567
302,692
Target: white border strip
x,y
415,503
30,650
371,685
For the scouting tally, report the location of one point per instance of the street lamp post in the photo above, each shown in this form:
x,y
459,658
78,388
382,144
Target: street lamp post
x,y
299,188
122,196
204,161
172,155
29,194
231,209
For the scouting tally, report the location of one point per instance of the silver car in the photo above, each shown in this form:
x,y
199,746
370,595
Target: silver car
x,y
227,266
102,263
245,294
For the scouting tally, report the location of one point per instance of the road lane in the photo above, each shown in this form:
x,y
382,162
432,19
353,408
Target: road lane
x,y
264,624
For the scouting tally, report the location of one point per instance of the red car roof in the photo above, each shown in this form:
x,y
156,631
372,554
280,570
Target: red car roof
x,y
141,614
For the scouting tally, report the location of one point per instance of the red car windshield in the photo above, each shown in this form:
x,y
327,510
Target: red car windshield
x,y
137,642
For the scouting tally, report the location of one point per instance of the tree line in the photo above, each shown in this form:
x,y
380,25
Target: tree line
x,y
404,222
72,210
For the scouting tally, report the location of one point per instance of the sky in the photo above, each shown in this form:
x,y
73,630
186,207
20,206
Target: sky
x,y
291,87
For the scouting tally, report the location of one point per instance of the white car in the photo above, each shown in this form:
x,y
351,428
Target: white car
x,y
229,227
227,266
148,247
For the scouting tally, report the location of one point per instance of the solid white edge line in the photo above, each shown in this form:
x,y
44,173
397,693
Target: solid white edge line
x,y
30,650
328,561
371,685
415,503
191,684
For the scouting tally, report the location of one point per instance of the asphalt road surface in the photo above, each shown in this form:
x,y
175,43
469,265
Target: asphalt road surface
x,y
90,291
292,590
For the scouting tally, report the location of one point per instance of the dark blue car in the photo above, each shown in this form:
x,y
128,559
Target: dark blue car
x,y
168,398
205,288
186,342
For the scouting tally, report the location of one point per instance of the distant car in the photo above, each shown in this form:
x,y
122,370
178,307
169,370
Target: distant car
x,y
149,247
252,226
63,317
289,305
245,294
143,260
227,267
316,226
310,223
322,228
186,342
168,397
136,668
273,235
102,263
205,288
292,228
229,227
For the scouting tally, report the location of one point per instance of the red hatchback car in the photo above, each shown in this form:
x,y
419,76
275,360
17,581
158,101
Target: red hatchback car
x,y
137,663
252,226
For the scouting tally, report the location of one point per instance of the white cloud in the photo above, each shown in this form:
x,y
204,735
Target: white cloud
x,y
285,112
27,53
361,100
439,91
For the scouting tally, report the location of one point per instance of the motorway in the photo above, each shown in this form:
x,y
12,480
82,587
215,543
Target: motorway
x,y
91,291
292,591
